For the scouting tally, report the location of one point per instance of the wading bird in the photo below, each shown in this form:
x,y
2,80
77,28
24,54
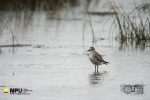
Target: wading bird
x,y
96,58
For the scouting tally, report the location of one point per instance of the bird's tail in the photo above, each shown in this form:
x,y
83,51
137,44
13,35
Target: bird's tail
x,y
105,62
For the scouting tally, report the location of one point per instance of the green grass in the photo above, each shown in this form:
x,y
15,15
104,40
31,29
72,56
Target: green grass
x,y
13,36
90,23
127,24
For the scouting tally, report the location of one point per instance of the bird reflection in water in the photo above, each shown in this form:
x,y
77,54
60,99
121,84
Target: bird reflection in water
x,y
96,77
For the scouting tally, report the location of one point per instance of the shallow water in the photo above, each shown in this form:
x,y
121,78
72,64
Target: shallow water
x,y
56,65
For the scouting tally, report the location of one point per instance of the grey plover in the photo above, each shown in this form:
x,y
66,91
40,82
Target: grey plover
x,y
96,58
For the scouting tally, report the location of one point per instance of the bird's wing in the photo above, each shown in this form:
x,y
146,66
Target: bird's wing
x,y
98,57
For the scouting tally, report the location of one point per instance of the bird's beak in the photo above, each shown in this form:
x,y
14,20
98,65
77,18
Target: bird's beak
x,y
88,50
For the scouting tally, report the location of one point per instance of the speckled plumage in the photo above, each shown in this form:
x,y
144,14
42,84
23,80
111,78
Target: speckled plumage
x,y
96,58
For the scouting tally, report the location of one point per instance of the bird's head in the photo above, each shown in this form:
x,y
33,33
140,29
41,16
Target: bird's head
x,y
91,49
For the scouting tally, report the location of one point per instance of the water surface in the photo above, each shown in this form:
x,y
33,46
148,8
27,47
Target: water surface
x,y
56,66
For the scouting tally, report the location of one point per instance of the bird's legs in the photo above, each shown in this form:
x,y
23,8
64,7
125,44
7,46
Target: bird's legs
x,y
96,68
